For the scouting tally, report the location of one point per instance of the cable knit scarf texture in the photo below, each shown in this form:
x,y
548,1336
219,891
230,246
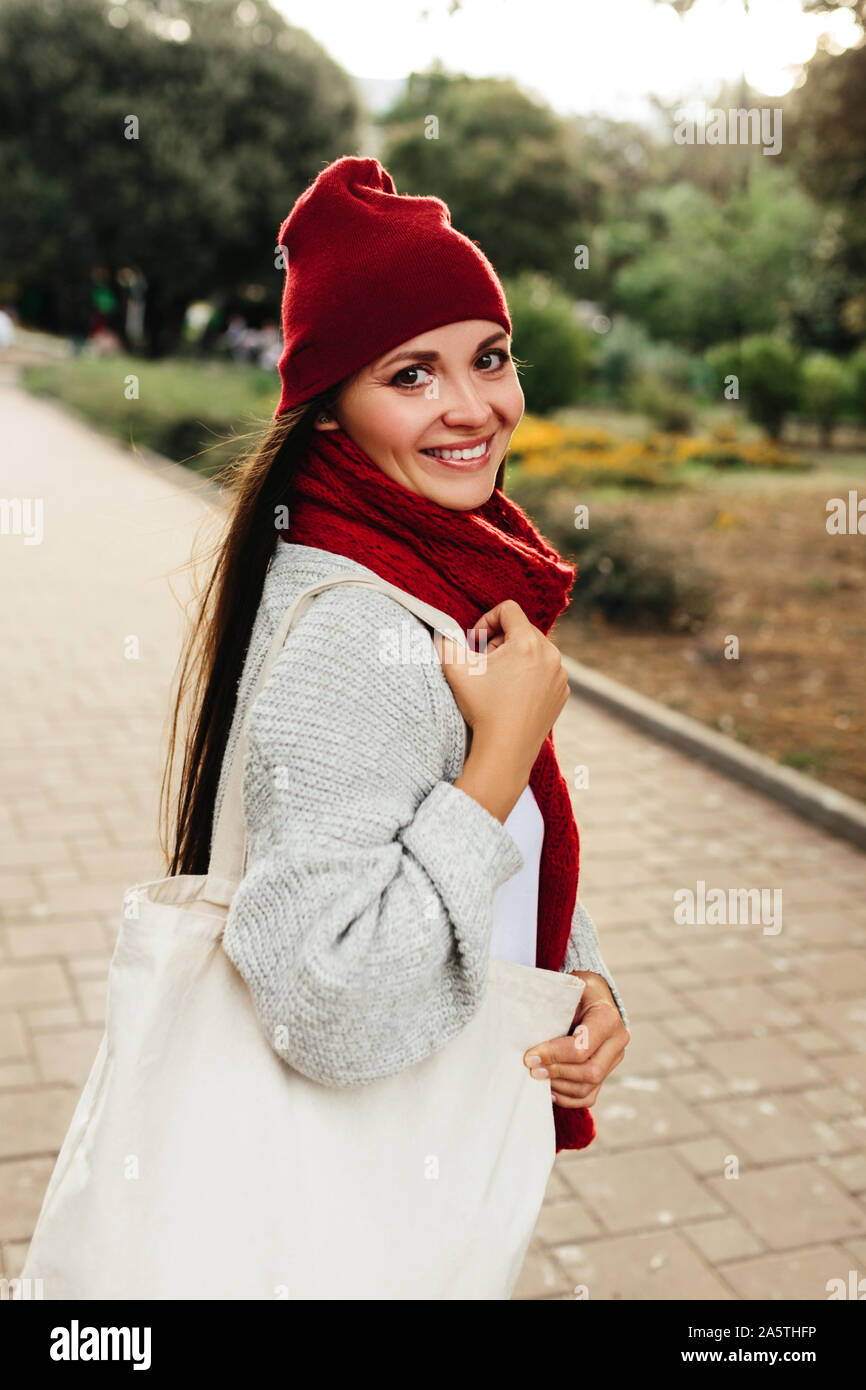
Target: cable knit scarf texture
x,y
464,562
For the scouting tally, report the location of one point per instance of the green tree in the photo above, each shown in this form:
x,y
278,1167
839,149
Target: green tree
x,y
857,370
703,271
503,164
768,372
826,390
236,112
555,347
827,141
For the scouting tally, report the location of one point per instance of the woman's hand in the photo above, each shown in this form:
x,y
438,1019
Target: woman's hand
x,y
511,693
577,1065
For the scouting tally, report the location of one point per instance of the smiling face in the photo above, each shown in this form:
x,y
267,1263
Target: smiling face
x,y
437,413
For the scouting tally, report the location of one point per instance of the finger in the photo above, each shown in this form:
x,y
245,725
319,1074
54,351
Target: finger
x,y
596,1025
576,1103
493,642
562,1059
485,636
570,1083
506,617
581,1045
486,624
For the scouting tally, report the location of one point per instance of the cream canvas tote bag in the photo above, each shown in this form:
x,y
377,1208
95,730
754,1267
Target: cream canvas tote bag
x,y
198,1164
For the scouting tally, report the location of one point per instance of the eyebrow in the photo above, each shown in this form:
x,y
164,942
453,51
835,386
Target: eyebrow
x,y
430,356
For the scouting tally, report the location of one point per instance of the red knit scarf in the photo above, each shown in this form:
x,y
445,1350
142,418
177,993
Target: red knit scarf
x,y
464,562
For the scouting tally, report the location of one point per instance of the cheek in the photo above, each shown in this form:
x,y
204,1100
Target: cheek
x,y
402,420
383,422
509,399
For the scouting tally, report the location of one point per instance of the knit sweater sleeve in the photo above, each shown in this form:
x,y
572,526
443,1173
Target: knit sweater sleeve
x,y
584,953
362,925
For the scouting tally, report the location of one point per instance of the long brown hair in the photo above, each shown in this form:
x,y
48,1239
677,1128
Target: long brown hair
x,y
212,659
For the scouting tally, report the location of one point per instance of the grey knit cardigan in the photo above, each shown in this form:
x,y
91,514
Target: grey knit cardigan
x,y
362,924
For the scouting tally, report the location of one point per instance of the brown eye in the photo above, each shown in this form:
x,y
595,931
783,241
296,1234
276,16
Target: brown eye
x,y
499,353
400,378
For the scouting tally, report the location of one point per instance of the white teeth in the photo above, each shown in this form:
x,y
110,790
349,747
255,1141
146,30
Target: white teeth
x,y
458,455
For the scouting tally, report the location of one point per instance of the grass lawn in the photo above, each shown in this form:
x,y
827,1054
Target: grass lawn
x,y
195,412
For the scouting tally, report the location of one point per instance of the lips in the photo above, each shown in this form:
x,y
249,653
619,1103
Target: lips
x,y
466,452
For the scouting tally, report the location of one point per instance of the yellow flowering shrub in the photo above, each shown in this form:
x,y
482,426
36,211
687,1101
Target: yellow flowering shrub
x,y
725,453
572,453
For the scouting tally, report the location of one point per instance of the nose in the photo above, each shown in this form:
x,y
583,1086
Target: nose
x,y
463,406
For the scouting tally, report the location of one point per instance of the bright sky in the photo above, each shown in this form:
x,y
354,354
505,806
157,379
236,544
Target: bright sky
x,y
580,55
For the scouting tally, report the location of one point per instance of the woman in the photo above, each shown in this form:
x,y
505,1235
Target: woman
x,y
385,865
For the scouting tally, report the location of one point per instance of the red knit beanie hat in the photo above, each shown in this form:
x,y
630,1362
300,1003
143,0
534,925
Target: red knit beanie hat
x,y
368,269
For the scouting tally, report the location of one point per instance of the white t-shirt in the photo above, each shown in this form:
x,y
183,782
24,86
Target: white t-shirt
x,y
515,902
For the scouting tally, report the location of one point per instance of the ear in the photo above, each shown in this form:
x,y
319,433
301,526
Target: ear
x,y
325,421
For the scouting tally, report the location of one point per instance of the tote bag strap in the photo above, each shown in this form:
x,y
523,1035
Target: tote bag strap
x,y
228,847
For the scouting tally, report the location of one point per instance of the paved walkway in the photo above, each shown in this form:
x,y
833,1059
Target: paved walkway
x,y
730,1160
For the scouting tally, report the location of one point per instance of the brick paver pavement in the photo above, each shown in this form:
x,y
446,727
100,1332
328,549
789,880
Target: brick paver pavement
x,y
730,1160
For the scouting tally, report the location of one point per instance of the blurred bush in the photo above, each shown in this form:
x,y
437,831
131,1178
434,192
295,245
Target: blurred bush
x,y
722,449
857,370
651,395
557,349
768,371
621,354
826,391
629,366
621,576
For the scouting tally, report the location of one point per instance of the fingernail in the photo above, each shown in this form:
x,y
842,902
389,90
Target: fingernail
x,y
540,1072
533,1061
